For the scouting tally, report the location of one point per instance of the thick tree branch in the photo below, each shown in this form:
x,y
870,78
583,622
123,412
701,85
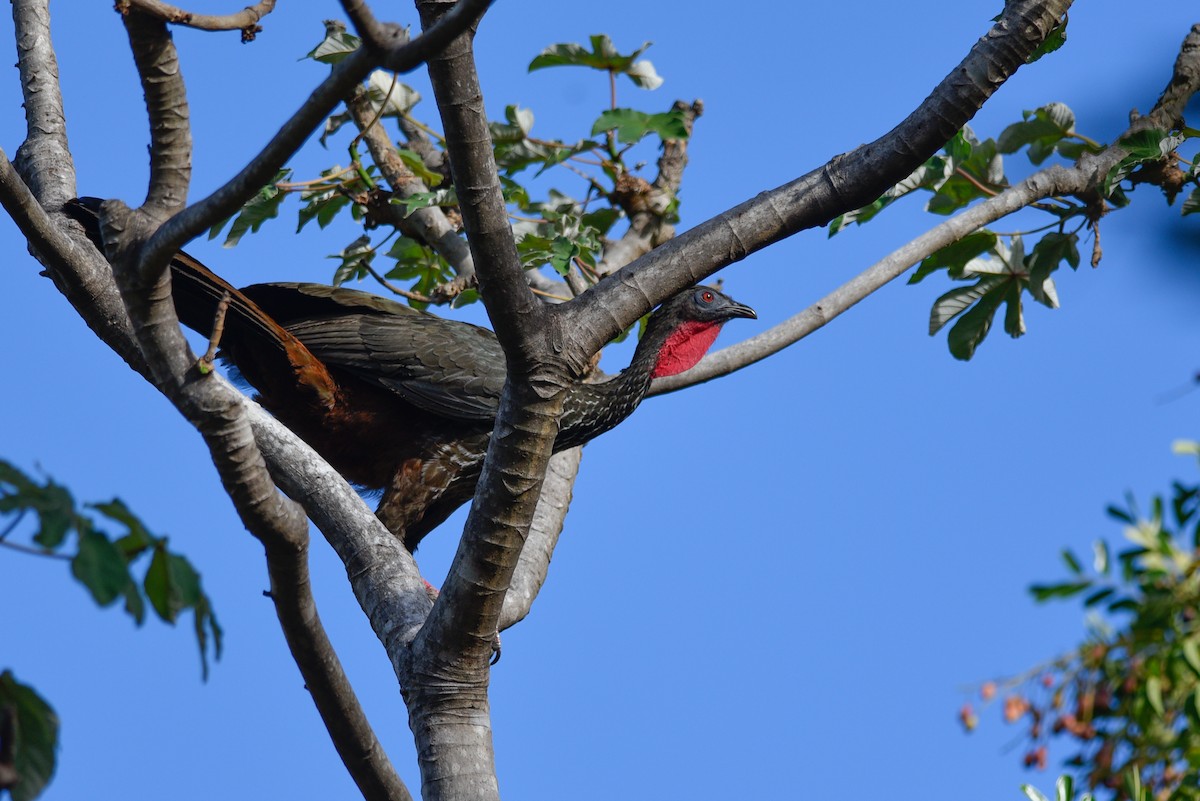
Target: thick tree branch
x,y
1086,179
390,42
44,158
467,611
167,107
446,680
382,573
324,678
353,69
78,271
245,20
547,525
217,411
847,182
226,200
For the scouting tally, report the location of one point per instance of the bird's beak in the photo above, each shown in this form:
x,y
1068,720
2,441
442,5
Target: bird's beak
x,y
736,309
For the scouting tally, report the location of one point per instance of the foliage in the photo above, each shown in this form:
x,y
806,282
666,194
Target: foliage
x,y
1127,699
1064,790
1003,269
28,739
103,562
555,230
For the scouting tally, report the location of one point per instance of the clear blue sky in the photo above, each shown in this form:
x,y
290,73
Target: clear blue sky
x,y
775,585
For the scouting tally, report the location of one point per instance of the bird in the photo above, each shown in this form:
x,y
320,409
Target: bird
x,y
401,400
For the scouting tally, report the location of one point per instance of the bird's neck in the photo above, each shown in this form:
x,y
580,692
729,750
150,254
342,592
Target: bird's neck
x,y
663,350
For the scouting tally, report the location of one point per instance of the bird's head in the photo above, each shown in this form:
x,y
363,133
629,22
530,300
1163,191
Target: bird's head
x,y
687,325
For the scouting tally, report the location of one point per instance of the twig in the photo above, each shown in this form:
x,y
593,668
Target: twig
x,y
1084,177
245,20
847,182
16,521
404,293
16,546
218,328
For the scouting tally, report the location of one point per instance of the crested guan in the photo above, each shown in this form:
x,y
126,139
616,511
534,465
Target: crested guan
x,y
401,400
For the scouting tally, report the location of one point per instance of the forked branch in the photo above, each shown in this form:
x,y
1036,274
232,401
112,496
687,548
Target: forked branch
x,y
1085,178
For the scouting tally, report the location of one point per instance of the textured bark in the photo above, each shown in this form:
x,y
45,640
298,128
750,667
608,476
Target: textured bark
x,y
166,105
846,182
1085,180
44,158
439,655
245,20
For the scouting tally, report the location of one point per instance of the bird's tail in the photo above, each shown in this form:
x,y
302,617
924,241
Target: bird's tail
x,y
269,356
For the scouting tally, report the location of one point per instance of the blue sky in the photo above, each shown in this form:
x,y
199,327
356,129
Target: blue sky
x,y
779,584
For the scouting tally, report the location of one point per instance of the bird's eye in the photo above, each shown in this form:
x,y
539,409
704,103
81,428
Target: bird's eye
x,y
706,296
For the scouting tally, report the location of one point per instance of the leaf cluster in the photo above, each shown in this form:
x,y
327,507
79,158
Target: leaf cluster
x,y
104,562
553,229
28,739
1127,699
968,170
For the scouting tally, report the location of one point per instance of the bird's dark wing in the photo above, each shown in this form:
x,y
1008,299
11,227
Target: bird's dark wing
x,y
444,367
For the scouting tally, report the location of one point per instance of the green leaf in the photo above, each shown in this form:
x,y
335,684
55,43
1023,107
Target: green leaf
x,y
422,200
1043,130
173,585
1032,793
562,251
100,566
1119,514
1100,559
51,502
336,45
958,300
1064,789
417,167
1191,655
1154,694
1045,592
138,538
1072,561
1146,145
1053,41
56,512
1191,708
322,207
1192,204
36,737
355,257
955,256
260,208
632,125
602,56
972,328
1014,316
1098,596
389,96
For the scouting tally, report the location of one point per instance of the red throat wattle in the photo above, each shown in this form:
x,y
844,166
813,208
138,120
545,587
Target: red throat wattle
x,y
685,346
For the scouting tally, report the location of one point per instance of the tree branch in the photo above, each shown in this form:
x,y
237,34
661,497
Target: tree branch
x,y
217,411
1086,178
324,678
226,200
846,182
245,20
44,158
167,107
353,69
534,562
